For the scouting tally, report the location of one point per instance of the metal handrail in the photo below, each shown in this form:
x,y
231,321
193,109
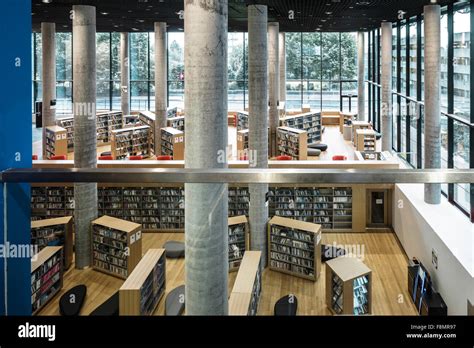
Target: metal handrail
x,y
238,176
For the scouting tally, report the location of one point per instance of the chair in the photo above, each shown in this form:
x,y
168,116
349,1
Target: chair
x,y
322,147
339,158
106,158
243,158
71,302
284,158
106,153
174,250
175,302
286,306
34,157
164,158
314,152
58,158
135,158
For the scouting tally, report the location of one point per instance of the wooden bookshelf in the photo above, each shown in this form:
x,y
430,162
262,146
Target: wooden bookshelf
x,y
309,122
238,202
242,141
46,276
238,241
294,247
148,118
348,286
55,143
242,120
54,232
68,124
172,143
131,142
146,285
292,142
366,140
116,246
245,294
346,118
176,123
356,125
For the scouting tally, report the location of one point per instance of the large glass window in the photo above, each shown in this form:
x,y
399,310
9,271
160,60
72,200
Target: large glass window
x,y
176,70
236,71
103,55
444,63
412,59
139,71
461,62
461,161
311,62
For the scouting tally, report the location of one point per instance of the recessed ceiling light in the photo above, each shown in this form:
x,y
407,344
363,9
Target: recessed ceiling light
x,y
328,12
104,13
140,20
47,1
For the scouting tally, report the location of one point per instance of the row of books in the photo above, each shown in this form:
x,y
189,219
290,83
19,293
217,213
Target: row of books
x,y
110,267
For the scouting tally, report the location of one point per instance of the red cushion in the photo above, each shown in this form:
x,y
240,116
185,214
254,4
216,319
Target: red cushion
x,y
106,158
243,158
339,158
135,158
34,157
284,158
59,158
164,158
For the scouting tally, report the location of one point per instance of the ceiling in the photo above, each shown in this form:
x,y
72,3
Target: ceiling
x,y
309,15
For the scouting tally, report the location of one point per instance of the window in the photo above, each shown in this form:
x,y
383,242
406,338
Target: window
x,y
139,71
461,62
461,161
237,68
176,70
444,63
103,56
412,59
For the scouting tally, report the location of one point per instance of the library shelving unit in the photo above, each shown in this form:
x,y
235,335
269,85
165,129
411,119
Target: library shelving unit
x,y
346,118
46,276
238,240
348,286
54,232
145,286
176,123
292,142
115,122
68,124
366,140
238,201
131,141
330,207
147,118
245,294
172,143
242,140
356,125
102,128
294,247
55,143
310,122
242,120
172,208
116,246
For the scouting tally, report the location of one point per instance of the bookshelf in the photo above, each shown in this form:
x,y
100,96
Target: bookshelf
x,y
172,208
54,232
131,142
116,246
68,124
356,125
51,202
46,277
346,118
238,203
348,286
144,288
294,247
245,294
366,140
292,142
238,240
176,123
148,118
172,143
242,120
309,122
242,141
55,143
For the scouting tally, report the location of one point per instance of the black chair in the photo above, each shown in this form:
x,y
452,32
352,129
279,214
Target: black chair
x,y
106,153
175,302
321,147
286,306
329,252
174,250
71,302
109,308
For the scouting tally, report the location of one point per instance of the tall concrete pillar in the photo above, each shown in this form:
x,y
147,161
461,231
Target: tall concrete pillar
x,y
432,153
386,86
48,32
205,101
125,73
85,138
273,83
161,75
282,61
360,76
258,123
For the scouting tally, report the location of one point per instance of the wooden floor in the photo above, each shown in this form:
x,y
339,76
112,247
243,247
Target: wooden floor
x,y
382,253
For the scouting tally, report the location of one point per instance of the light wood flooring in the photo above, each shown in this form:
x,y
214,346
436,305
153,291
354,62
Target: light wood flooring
x,y
382,253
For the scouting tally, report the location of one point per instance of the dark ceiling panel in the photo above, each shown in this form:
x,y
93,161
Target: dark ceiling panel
x,y
309,15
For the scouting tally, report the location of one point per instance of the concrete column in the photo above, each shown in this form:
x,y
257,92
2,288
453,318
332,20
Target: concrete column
x,y
125,73
48,31
273,83
161,75
360,76
432,153
258,123
386,86
85,138
205,101
282,61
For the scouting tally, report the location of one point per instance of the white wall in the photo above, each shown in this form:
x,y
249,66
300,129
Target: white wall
x,y
421,227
